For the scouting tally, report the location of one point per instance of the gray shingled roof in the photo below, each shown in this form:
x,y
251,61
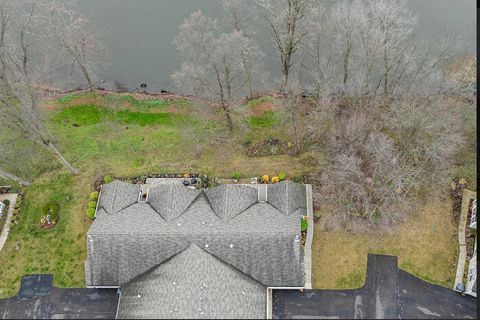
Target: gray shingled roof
x,y
171,200
193,284
130,242
118,195
229,200
287,196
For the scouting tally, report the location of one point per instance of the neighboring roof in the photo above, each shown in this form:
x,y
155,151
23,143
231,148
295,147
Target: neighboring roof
x,y
193,284
287,196
260,241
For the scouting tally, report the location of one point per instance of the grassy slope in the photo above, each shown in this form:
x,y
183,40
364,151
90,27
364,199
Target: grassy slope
x,y
154,142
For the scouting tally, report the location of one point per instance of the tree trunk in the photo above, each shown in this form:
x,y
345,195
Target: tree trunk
x,y
284,84
50,147
228,117
87,76
13,177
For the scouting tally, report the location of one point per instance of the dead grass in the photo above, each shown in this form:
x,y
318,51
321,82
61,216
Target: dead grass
x,y
426,245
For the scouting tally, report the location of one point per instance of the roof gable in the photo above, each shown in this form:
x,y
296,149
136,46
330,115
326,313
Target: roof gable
x,y
287,196
118,195
193,284
227,201
171,200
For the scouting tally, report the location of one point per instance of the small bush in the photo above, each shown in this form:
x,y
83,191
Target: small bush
x,y
297,179
108,178
265,178
303,225
275,179
236,176
282,176
91,213
94,196
92,204
6,202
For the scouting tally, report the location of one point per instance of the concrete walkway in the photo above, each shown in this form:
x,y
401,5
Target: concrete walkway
x,y
309,240
6,228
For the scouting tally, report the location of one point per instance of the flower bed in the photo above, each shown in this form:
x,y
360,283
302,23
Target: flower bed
x,y
304,228
16,211
50,215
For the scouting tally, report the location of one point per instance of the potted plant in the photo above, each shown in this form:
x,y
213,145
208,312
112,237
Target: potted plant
x,y
265,178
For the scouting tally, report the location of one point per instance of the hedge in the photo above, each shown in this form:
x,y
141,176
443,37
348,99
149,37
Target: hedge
x,y
91,213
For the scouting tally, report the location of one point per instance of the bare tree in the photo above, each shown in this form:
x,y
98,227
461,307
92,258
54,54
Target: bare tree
x,y
369,48
366,186
462,78
213,62
292,105
237,17
367,180
26,53
83,46
10,176
427,132
287,26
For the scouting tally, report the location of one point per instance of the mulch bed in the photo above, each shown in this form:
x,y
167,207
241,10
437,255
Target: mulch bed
x,y
5,189
48,226
270,147
304,238
456,191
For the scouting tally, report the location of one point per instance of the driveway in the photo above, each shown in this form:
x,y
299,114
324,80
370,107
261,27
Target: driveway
x,y
6,228
388,293
39,299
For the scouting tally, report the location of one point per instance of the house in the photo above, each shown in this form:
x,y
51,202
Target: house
x,y
471,285
473,217
2,208
176,252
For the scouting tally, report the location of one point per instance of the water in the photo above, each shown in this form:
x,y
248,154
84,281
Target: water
x,y
139,33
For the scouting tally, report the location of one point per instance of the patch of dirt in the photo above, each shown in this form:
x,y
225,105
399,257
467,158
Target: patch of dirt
x,y
457,185
260,108
270,147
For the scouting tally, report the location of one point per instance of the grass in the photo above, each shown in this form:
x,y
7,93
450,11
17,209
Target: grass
x,y
426,245
75,95
266,120
260,100
38,250
83,115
